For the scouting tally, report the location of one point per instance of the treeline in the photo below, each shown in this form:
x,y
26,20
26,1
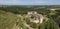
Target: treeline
x,y
24,10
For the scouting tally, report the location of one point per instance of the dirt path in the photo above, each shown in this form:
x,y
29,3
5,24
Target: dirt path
x,y
15,27
25,24
28,26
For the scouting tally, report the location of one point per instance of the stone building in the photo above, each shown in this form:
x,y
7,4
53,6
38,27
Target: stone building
x,y
37,18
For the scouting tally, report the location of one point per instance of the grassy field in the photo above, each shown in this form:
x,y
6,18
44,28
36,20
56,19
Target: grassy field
x,y
7,20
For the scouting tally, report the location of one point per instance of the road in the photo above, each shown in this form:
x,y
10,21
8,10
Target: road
x,y
39,19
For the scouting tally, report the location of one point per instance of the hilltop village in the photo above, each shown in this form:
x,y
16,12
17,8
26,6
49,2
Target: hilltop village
x,y
30,17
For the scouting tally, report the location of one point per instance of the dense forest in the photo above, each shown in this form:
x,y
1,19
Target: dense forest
x,y
8,16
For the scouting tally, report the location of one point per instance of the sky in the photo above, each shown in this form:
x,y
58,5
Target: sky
x,y
29,2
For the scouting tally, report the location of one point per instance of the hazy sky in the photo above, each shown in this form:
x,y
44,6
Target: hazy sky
x,y
29,2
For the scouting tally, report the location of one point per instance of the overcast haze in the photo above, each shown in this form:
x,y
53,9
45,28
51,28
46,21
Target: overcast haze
x,y
29,2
